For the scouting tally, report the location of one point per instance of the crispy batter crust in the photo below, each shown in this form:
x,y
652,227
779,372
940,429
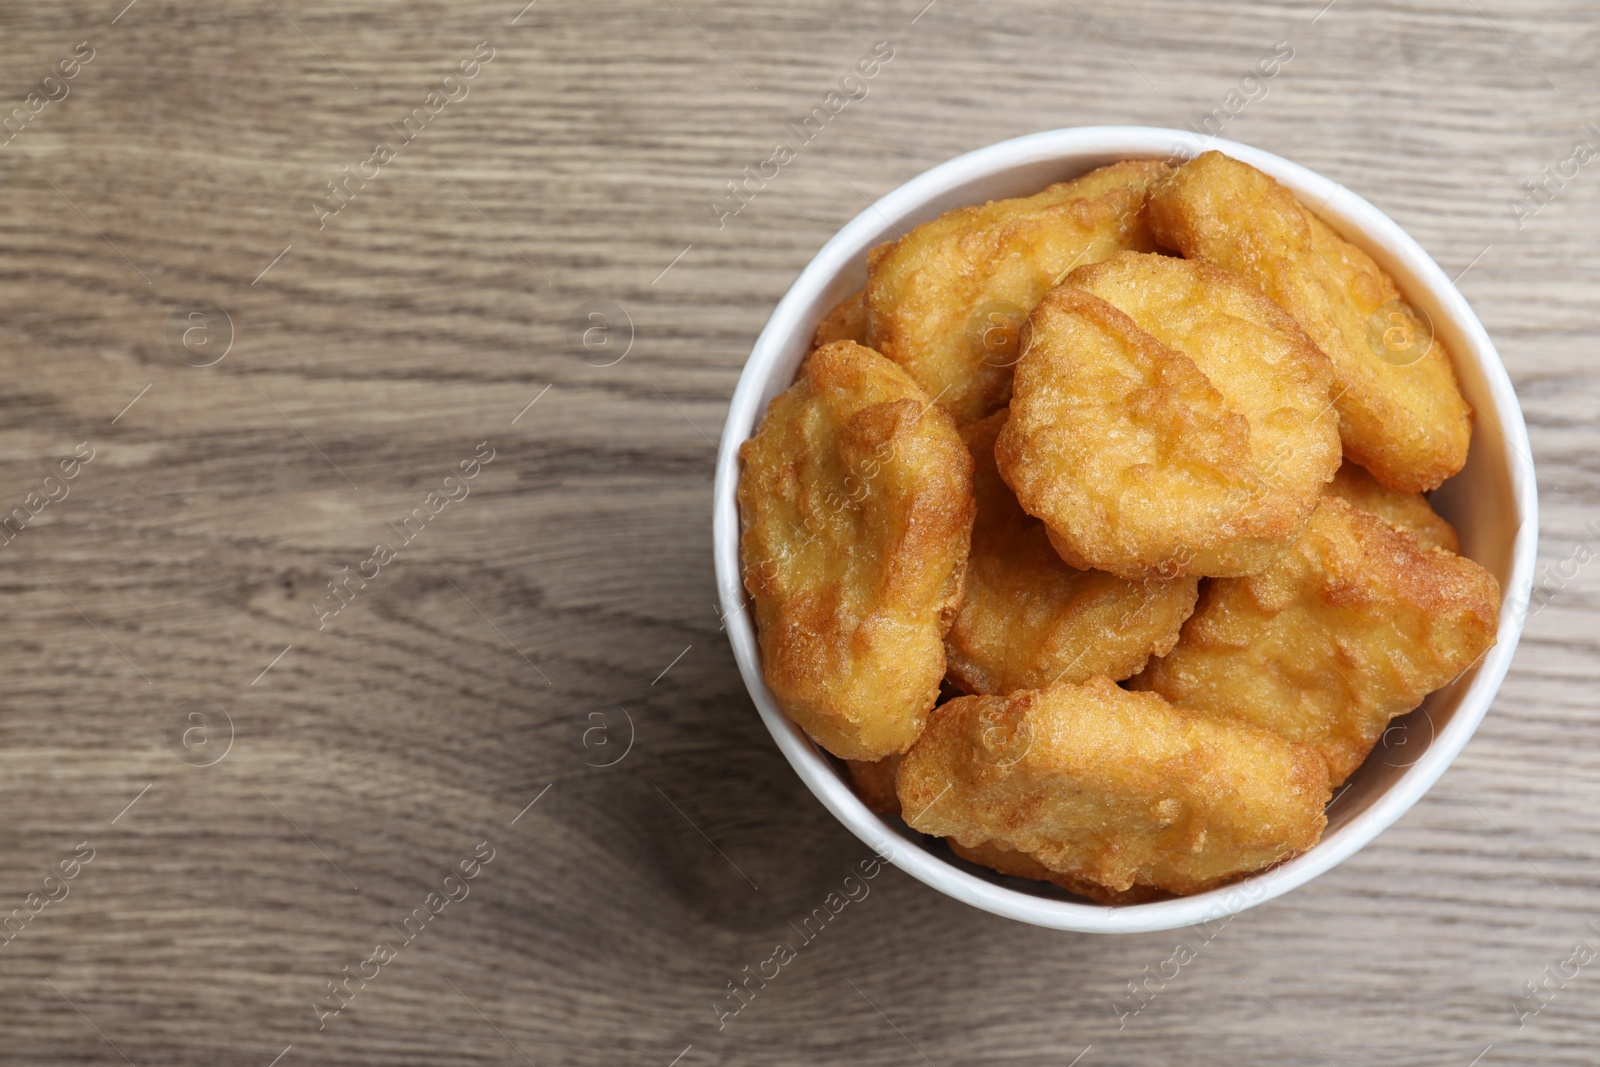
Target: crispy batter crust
x,y
873,782
856,510
946,300
1352,626
1115,788
1400,415
1021,865
846,322
1167,419
1407,511
1030,620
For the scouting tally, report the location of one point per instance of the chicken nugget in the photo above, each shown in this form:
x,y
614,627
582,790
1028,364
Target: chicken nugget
x,y
873,782
1009,861
946,300
1114,788
1401,413
1352,626
1030,620
1168,419
855,504
1405,511
846,322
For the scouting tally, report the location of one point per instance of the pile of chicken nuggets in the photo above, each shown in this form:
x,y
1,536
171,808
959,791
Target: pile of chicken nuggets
x,y
1092,533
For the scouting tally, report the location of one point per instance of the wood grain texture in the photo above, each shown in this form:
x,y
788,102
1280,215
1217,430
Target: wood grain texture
x,y
457,687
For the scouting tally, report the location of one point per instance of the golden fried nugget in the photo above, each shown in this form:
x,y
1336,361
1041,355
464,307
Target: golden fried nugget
x,y
1030,620
1115,788
1009,861
1352,626
846,322
946,300
1406,511
873,782
1401,414
1167,419
855,504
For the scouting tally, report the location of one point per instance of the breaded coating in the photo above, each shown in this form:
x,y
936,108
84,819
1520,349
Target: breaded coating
x,y
1407,511
846,322
1168,419
1401,413
1021,865
855,505
946,300
1115,788
1352,626
1031,621
873,782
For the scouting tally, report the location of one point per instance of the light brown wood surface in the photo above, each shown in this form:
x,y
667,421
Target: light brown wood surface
x,y
371,755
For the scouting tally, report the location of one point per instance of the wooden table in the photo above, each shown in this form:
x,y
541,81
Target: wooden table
x,y
256,778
